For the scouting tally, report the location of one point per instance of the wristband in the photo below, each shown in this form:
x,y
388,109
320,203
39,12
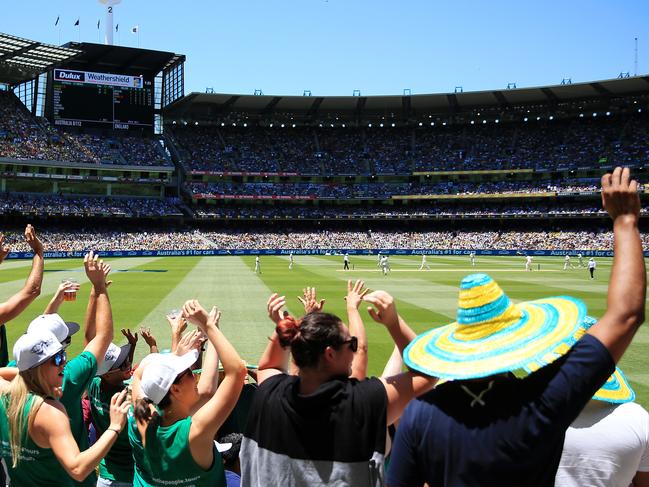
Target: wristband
x,y
113,429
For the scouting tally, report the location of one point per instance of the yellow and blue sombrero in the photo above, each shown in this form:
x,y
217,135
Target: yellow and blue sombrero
x,y
616,389
492,335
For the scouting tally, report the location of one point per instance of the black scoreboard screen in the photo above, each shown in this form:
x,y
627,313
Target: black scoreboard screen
x,y
89,99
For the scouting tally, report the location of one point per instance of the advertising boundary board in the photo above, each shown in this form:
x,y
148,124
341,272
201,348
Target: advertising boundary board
x,y
339,251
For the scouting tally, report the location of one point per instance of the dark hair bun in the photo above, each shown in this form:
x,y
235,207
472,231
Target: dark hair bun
x,y
287,330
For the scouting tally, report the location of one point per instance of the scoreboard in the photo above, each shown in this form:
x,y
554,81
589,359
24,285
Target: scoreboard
x,y
91,99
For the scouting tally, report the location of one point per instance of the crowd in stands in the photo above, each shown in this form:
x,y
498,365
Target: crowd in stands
x,y
545,144
58,239
57,205
27,138
507,393
386,190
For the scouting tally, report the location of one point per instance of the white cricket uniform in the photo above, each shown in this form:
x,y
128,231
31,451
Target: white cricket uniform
x,y
424,263
528,263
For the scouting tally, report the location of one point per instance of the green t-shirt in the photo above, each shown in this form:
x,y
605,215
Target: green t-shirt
x,y
77,375
36,466
118,463
167,459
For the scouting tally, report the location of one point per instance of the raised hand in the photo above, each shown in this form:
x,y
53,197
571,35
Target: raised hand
x,y
177,323
4,249
384,311
195,313
96,270
192,340
310,301
149,339
355,293
32,240
119,406
274,306
131,337
620,194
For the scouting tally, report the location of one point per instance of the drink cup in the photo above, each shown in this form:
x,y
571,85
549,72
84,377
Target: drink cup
x,y
70,295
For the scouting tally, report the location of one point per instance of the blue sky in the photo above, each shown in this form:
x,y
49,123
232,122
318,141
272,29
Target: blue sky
x,y
333,47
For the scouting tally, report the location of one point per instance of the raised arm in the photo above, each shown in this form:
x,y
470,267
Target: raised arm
x,y
149,339
17,303
354,299
400,388
132,340
274,359
628,284
59,296
178,325
97,270
52,428
209,418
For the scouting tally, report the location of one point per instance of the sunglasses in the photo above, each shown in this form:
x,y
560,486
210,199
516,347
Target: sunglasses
x,y
60,358
183,374
352,342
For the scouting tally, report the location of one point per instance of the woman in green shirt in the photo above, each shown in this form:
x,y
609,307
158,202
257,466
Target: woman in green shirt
x,y
37,443
174,423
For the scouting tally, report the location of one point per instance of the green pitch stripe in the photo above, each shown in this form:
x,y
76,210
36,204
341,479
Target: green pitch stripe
x,y
70,311
227,283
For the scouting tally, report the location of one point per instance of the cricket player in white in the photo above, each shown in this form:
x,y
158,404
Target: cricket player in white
x,y
424,263
581,260
290,261
566,263
472,257
257,265
385,266
528,262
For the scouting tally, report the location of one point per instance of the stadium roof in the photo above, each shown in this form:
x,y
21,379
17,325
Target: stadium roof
x,y
22,59
120,59
204,106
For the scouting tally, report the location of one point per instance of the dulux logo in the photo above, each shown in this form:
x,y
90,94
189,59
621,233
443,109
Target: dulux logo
x,y
69,75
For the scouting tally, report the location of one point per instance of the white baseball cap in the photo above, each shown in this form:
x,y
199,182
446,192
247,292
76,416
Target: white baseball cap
x,y
159,375
55,324
33,349
113,358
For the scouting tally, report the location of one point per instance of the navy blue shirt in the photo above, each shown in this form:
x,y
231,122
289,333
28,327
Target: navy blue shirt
x,y
512,435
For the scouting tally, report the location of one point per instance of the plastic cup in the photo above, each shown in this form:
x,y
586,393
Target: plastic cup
x,y
70,295
173,314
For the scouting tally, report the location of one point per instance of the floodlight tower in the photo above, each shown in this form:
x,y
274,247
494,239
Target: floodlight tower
x,y
108,23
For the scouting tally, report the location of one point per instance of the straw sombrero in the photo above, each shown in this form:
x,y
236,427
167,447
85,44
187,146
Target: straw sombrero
x,y
492,335
616,389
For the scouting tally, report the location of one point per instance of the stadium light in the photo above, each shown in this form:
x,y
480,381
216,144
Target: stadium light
x,y
581,115
432,124
551,117
594,114
195,123
525,119
320,125
472,122
293,125
538,118
271,125
380,125
369,125
332,125
608,114
282,125
497,121
343,125
420,124
444,123
484,121
245,124
393,124
639,110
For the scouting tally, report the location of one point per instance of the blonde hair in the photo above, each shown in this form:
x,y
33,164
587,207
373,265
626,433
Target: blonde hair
x,y
25,383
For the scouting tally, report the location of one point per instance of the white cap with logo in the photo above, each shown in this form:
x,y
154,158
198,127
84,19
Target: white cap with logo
x,y
158,376
55,324
113,358
33,349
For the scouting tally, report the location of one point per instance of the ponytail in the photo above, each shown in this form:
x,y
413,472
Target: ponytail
x,y
288,329
25,383
146,412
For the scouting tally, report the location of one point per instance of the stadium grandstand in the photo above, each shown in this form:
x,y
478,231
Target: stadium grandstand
x,y
101,132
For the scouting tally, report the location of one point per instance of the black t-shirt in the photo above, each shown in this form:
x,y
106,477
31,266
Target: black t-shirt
x,y
512,435
336,434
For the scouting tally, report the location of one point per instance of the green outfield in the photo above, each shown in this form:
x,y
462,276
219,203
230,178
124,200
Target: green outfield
x,y
145,288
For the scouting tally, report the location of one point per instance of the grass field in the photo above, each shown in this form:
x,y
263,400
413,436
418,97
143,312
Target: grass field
x,y
145,288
